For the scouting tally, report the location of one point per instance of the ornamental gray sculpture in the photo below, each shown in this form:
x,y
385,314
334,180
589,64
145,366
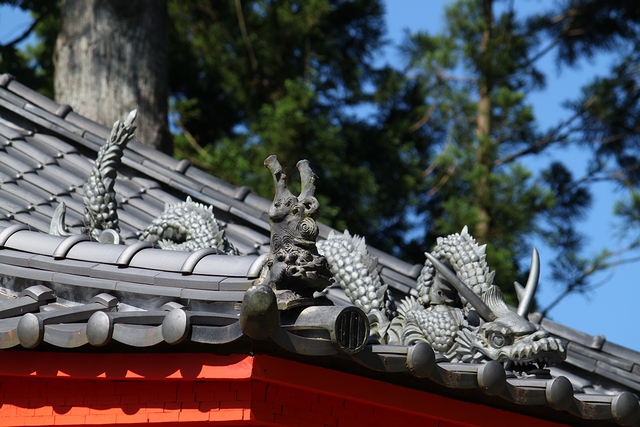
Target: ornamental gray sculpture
x,y
99,198
459,311
186,226
293,262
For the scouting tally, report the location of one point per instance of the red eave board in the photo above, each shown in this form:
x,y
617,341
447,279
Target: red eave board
x,y
45,388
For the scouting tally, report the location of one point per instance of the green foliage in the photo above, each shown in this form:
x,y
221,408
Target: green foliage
x,y
34,65
286,78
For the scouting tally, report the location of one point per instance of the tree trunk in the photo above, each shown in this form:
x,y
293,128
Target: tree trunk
x,y
111,57
483,124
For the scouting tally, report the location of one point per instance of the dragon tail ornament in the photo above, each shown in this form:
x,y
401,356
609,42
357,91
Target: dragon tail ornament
x,y
99,198
356,271
188,226
458,310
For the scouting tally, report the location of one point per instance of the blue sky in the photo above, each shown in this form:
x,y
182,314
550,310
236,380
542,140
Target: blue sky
x,y
611,309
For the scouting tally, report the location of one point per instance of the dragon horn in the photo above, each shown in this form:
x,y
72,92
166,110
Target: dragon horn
x,y
526,297
279,178
476,302
307,179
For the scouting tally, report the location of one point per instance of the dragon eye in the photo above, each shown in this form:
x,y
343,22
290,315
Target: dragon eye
x,y
497,340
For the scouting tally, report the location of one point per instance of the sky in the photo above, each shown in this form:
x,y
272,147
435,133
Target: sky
x,y
611,309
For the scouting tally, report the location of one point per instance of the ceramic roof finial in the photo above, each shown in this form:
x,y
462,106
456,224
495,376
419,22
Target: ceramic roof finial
x,y
99,197
294,263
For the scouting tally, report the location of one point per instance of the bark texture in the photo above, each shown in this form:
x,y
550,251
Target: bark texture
x,y
111,57
483,129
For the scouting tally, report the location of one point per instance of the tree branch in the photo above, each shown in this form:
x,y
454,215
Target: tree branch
x,y
597,265
192,141
245,36
424,119
547,140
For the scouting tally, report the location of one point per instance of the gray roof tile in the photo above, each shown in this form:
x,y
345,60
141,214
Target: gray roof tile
x,y
15,164
261,219
11,101
32,219
50,181
88,125
404,268
32,152
9,133
162,196
159,291
45,212
38,243
621,352
21,199
134,275
64,179
147,204
397,280
100,285
5,178
205,295
212,182
50,156
34,97
127,189
11,203
20,259
227,265
189,281
133,216
27,273
621,376
96,252
31,162
76,165
258,203
250,234
50,145
73,201
32,192
235,284
157,259
52,118
579,337
80,268
583,362
601,357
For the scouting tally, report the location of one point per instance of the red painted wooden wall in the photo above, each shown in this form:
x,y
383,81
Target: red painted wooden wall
x,y
42,388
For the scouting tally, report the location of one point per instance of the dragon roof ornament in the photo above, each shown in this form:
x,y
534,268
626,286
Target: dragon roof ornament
x,y
459,311
186,226
294,263
99,198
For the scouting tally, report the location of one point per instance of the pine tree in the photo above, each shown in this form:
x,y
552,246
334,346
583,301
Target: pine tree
x,y
480,70
252,78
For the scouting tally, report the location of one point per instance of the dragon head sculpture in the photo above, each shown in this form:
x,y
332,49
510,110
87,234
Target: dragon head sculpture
x,y
293,262
492,331
458,310
508,338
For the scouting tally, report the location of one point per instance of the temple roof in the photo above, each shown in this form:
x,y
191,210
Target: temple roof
x,y
51,287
